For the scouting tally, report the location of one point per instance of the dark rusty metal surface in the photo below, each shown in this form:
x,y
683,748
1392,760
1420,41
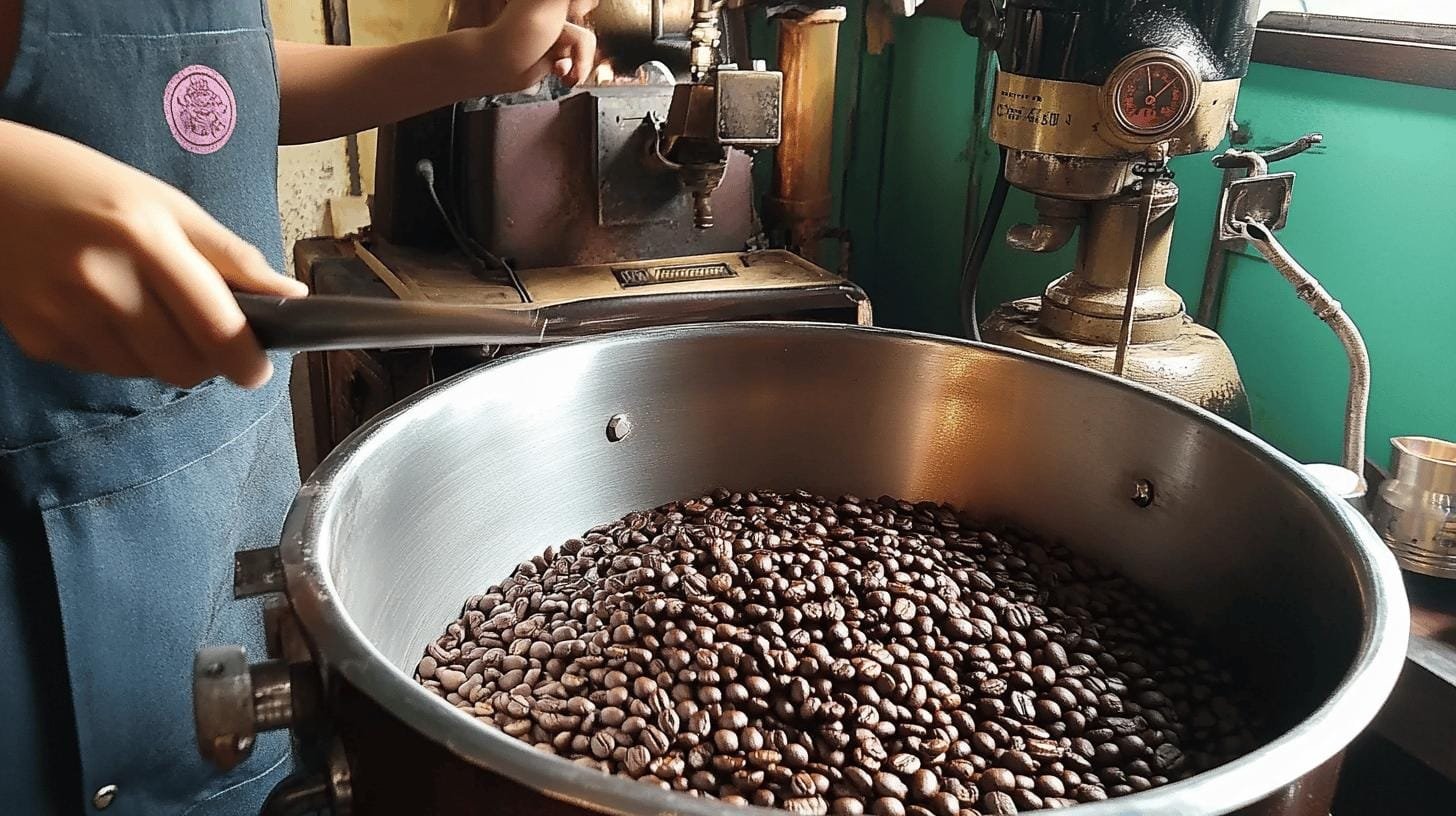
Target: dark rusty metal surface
x,y
530,193
749,108
628,191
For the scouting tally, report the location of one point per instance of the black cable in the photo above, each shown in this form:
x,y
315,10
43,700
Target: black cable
x,y
472,249
976,258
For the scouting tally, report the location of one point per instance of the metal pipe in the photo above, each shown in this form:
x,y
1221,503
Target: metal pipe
x,y
1215,269
976,257
808,53
1326,308
1135,270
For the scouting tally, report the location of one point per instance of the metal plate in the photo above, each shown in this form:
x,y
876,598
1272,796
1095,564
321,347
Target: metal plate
x,y
750,108
1262,199
627,191
632,276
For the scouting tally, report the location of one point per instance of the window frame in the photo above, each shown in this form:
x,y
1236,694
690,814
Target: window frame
x,y
1409,53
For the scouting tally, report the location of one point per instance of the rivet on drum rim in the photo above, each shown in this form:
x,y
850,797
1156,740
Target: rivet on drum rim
x,y
619,427
105,795
1142,493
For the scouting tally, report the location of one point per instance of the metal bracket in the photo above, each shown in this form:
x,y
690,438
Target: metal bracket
x,y
257,572
1263,199
233,702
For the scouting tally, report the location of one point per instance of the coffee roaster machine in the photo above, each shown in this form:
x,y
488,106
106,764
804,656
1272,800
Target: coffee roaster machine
x,y
632,194
1091,100
634,191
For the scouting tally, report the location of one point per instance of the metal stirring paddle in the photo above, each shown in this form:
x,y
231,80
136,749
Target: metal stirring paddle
x,y
330,322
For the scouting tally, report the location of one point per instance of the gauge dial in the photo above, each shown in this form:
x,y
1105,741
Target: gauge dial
x,y
1153,97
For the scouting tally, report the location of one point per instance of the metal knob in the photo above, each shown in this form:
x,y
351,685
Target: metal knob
x,y
233,702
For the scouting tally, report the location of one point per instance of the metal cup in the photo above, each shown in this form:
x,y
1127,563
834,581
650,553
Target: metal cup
x,y
1415,511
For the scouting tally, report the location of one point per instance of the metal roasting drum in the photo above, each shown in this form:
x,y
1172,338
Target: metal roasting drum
x,y
448,492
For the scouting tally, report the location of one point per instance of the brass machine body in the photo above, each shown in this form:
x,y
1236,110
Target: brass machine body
x,y
1074,131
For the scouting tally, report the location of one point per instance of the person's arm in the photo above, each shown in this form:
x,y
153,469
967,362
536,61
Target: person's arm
x,y
109,269
330,91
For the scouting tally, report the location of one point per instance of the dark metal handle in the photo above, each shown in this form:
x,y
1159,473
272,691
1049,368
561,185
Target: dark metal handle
x,y
330,323
1243,159
327,323
588,317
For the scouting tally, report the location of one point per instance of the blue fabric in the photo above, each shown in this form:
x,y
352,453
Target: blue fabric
x,y
123,500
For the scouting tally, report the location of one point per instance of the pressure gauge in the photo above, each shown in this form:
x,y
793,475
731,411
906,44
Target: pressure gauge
x,y
1152,94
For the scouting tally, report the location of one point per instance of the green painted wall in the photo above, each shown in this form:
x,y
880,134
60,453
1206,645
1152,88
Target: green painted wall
x,y
1374,218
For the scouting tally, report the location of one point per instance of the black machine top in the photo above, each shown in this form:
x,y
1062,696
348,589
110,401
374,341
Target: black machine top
x,y
1083,40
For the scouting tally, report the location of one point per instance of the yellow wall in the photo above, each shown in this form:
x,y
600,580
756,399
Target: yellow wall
x,y
384,22
308,175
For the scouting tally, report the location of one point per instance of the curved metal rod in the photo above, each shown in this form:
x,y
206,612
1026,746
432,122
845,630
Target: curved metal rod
x,y
1328,309
1134,273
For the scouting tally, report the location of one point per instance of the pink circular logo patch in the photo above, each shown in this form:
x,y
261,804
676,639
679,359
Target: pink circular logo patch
x,y
201,109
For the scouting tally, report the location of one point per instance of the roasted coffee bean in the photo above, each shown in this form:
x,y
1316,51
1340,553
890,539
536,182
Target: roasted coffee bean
x,y
888,784
904,764
923,784
844,656
998,803
994,779
807,806
887,806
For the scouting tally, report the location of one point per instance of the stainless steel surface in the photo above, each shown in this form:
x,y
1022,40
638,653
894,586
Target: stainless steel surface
x,y
1415,509
1326,308
449,491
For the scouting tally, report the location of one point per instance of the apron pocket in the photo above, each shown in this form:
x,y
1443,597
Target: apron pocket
x,y
144,576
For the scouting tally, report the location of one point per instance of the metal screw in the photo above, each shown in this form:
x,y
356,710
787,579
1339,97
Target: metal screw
x,y
619,427
104,797
1142,493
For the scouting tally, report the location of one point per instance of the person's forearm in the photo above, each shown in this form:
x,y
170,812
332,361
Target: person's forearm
x,y
329,91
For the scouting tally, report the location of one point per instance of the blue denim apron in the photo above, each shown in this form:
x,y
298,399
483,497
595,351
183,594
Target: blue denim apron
x,y
123,500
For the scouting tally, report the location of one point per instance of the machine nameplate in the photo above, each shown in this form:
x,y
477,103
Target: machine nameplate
x,y
628,277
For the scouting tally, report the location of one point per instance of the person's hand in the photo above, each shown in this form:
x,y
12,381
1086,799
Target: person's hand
x,y
110,270
530,39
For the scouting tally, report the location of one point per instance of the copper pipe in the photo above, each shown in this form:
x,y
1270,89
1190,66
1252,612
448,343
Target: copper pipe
x,y
808,51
